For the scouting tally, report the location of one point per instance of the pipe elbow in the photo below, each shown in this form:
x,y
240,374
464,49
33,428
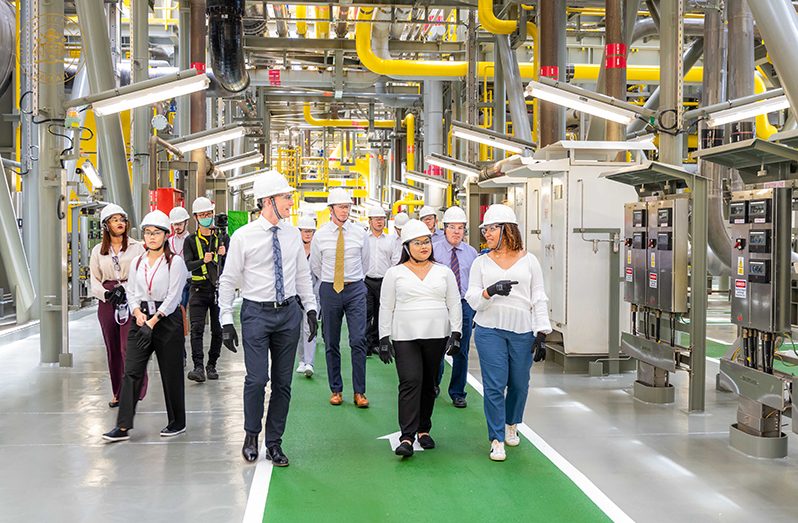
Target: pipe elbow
x,y
226,39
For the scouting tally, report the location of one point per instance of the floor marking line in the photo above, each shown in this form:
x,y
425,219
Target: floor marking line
x,y
584,484
259,489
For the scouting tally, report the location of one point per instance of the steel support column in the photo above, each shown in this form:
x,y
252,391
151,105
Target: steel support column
x,y
671,80
111,143
698,296
778,23
199,29
13,254
551,29
139,71
183,122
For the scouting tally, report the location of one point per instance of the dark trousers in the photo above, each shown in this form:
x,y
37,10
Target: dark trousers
x,y
115,337
202,301
352,302
167,343
373,288
417,362
460,361
268,331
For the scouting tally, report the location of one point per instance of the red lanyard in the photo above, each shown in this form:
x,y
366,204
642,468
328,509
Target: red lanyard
x,y
154,272
172,245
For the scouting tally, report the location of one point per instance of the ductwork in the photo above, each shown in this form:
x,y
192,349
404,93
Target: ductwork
x,y
647,27
226,41
7,43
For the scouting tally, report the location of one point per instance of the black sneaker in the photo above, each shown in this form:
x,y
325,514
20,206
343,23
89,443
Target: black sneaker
x,y
116,434
211,371
166,432
198,374
460,403
405,449
426,442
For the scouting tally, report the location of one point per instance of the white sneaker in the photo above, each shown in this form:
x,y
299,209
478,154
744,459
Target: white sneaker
x,y
302,368
308,370
497,450
511,436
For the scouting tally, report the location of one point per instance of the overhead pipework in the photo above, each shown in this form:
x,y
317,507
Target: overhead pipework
x,y
226,43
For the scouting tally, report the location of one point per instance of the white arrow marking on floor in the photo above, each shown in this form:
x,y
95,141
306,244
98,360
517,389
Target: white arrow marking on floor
x,y
393,439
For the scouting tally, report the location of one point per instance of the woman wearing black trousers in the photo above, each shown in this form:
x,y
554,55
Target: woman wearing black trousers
x,y
157,280
420,319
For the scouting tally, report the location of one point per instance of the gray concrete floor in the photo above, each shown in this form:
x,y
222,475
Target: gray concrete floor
x,y
656,462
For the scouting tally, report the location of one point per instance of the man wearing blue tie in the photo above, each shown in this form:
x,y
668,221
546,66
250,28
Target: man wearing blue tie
x,y
450,250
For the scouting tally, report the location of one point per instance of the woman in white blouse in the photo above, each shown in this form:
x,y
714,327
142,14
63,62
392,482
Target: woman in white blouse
x,y
505,288
157,279
420,319
109,264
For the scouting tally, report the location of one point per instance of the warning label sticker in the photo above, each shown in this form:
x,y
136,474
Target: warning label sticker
x,y
740,288
652,280
629,256
653,260
740,266
629,274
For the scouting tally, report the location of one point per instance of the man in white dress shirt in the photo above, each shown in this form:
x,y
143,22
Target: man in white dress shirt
x,y
430,218
339,256
267,262
383,254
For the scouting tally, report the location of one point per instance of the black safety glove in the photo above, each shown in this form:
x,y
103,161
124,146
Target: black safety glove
x,y
386,351
230,337
501,287
453,344
539,347
116,296
313,325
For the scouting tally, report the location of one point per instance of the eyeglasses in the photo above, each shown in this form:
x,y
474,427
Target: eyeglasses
x,y
285,196
421,243
117,219
490,228
207,214
115,259
154,233
456,228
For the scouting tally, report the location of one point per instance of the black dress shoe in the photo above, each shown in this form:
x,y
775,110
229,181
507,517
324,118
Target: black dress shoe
x,y
275,454
405,449
113,404
460,403
426,442
250,449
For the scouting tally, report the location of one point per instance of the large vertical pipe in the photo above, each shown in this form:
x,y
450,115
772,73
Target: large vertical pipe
x,y
52,268
97,49
13,254
552,64
778,24
433,135
615,63
199,29
139,71
184,102
499,97
741,61
671,80
515,88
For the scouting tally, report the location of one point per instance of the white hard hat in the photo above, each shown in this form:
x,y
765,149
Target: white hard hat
x,y
498,213
156,219
454,215
426,211
202,204
414,229
269,184
376,212
109,210
178,215
400,220
338,195
306,223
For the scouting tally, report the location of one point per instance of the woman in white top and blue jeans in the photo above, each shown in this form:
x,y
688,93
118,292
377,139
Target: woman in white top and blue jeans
x,y
420,319
505,289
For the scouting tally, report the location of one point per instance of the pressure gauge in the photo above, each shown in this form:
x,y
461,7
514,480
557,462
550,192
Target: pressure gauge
x,y
159,122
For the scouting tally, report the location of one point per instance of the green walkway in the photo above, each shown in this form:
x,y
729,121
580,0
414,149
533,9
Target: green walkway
x,y
342,472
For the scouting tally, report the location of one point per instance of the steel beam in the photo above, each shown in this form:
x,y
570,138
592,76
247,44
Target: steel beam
x,y
111,143
672,82
13,254
139,67
515,89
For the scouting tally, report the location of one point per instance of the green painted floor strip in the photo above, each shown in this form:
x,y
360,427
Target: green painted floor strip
x,y
341,472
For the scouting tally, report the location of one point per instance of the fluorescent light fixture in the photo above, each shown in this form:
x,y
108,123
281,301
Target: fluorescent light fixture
x,y
407,188
209,137
238,181
144,95
91,173
240,161
490,138
452,164
432,181
735,114
578,102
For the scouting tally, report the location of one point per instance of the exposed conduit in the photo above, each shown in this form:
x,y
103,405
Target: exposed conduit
x,y
226,42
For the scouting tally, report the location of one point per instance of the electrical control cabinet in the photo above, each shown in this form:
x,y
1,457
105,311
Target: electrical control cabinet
x,y
761,259
655,269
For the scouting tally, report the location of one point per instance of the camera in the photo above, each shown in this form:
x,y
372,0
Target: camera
x,y
220,221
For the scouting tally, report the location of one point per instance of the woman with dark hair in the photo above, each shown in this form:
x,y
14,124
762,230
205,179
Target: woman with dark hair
x,y
420,319
157,283
505,288
109,265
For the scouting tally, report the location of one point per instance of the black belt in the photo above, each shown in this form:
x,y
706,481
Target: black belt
x,y
273,304
373,279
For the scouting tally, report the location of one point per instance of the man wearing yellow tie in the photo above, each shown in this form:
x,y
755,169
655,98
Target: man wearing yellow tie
x,y
339,257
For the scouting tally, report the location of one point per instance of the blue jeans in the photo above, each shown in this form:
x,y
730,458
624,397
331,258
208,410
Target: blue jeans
x,y
505,359
460,361
350,302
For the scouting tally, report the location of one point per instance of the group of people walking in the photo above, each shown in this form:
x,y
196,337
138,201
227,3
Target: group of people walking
x,y
410,298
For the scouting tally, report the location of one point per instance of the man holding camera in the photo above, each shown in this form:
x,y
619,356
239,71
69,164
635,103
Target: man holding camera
x,y
204,253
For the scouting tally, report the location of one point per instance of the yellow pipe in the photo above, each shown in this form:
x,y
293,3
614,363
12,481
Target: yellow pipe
x,y
410,125
763,127
322,22
411,204
301,24
340,122
497,26
17,94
